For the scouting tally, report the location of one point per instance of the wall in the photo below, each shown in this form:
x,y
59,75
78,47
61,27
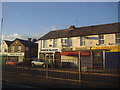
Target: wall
x,y
16,43
109,38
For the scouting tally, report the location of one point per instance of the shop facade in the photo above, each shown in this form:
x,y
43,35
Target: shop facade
x,y
21,50
100,39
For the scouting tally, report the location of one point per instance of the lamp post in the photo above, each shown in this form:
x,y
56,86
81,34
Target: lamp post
x,y
1,32
1,40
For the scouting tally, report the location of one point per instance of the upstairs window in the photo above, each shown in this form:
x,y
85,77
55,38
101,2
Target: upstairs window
x,y
12,49
82,41
44,43
54,42
101,39
67,42
19,48
117,37
5,50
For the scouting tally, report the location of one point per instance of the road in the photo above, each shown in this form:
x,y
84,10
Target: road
x,y
40,73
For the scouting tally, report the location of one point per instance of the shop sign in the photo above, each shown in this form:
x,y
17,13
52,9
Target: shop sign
x,y
15,54
49,50
108,47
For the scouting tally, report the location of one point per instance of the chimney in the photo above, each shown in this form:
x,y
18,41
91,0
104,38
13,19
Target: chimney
x,y
29,39
34,40
72,27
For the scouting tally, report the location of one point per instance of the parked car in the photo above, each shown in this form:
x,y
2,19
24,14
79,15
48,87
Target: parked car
x,y
41,63
11,62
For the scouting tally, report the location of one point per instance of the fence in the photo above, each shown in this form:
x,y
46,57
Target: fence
x,y
78,70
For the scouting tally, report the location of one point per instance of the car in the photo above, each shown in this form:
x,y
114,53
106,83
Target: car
x,y
11,62
41,63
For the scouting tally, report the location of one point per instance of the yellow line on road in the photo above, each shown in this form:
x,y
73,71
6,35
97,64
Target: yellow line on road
x,y
64,79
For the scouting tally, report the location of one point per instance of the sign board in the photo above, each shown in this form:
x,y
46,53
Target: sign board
x,y
15,54
47,50
107,47
111,48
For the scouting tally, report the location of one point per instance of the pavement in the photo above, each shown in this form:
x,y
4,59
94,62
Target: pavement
x,y
12,80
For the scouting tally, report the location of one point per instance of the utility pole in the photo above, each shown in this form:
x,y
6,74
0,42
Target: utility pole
x,y
1,43
1,30
1,38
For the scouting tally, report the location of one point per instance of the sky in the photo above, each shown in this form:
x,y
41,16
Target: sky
x,y
35,19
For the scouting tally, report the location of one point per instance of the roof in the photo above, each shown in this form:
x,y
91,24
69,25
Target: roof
x,y
8,42
82,31
27,43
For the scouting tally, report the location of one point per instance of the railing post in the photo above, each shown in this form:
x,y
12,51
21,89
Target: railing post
x,y
91,53
79,67
46,68
104,59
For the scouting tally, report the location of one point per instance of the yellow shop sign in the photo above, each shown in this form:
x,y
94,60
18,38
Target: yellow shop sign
x,y
111,48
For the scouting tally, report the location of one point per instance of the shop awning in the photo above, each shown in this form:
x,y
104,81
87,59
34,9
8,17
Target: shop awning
x,y
75,53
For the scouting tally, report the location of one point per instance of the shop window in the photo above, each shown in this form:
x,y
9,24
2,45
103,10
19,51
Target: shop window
x,y
82,41
117,37
42,56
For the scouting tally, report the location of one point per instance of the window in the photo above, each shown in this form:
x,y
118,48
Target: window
x,y
82,41
44,43
5,50
101,39
117,37
54,42
19,48
12,49
27,48
67,42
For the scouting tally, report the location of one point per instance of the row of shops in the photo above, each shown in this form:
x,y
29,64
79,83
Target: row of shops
x,y
71,45
99,56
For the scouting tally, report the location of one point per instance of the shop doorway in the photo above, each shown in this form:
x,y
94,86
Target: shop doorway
x,y
50,57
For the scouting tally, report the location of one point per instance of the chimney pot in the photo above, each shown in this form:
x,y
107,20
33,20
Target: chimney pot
x,y
72,27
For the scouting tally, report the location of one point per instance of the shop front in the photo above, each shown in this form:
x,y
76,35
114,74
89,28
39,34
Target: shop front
x,y
16,56
52,55
110,56
88,58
